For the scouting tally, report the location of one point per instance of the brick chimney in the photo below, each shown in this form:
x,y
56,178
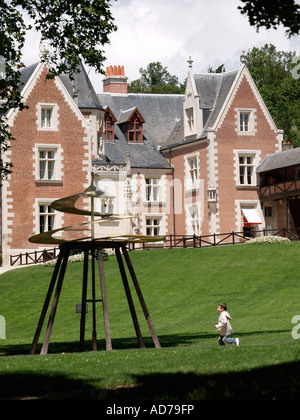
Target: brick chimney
x,y
287,146
115,81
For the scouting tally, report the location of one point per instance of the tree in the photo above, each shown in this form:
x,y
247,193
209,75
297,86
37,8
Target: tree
x,y
73,31
272,73
272,13
156,79
220,69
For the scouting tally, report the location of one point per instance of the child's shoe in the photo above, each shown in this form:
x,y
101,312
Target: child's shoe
x,y
237,342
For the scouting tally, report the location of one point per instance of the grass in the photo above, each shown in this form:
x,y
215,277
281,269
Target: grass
x,y
182,289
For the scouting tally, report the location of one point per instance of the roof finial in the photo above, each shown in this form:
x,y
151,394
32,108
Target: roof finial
x,y
243,57
190,61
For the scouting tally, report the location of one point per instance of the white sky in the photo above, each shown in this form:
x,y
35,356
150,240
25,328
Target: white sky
x,y
212,32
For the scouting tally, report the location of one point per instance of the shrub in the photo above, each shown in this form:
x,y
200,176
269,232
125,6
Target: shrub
x,y
76,257
267,240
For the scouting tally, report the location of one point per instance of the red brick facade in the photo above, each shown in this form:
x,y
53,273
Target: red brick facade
x,y
207,181
23,191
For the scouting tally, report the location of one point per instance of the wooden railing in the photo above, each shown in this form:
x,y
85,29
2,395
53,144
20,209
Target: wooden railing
x,y
231,238
280,190
35,257
168,242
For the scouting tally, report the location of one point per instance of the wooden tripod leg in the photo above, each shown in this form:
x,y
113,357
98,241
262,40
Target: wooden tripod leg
x,y
94,302
104,301
83,301
46,303
55,302
141,298
129,299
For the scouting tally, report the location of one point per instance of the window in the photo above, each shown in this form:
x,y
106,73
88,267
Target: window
x,y
189,112
246,170
135,131
109,131
193,219
268,211
152,189
47,164
110,120
46,218
107,206
244,121
193,169
47,117
153,226
195,222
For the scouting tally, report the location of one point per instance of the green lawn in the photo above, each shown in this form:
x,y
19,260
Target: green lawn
x,y
182,288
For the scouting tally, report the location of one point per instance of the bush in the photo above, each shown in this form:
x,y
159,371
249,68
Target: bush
x,y
76,257
267,240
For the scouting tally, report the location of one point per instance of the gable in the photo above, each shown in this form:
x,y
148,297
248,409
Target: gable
x,y
243,94
30,78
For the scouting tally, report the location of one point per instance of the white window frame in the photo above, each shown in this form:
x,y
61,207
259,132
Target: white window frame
x,y
190,121
244,129
193,219
57,159
192,172
52,124
57,216
153,189
151,229
245,154
246,170
48,215
107,205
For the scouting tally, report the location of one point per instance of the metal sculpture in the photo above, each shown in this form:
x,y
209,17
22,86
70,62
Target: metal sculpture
x,y
90,245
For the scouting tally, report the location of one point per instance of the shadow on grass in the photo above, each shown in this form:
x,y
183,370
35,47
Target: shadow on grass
x,y
173,340
276,382
269,383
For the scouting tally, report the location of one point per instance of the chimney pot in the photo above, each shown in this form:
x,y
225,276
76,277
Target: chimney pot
x,y
115,81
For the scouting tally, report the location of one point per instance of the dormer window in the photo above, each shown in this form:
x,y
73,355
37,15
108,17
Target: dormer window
x,y
110,120
135,128
135,132
132,121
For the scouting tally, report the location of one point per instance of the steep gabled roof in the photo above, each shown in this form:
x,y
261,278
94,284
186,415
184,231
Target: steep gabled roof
x,y
82,86
213,90
159,112
87,97
126,116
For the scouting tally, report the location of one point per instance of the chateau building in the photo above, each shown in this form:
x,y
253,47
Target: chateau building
x,y
175,164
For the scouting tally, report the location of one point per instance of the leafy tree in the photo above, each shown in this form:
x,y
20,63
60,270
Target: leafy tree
x,y
272,13
272,73
72,30
156,79
220,69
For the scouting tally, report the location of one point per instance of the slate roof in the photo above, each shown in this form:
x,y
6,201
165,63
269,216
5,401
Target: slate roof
x,y
213,89
160,113
87,97
280,160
